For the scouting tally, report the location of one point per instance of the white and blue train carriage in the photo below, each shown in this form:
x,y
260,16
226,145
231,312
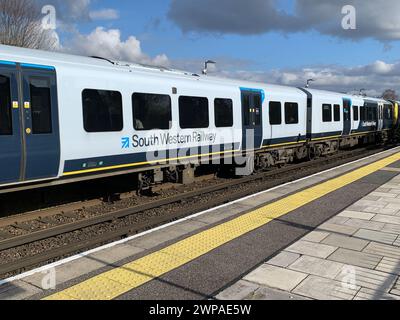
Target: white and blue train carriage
x,y
66,118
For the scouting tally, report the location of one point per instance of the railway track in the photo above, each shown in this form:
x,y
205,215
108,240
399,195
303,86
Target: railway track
x,y
56,242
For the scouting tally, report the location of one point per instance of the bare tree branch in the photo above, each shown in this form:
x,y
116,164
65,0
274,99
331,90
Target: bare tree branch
x,y
21,25
390,94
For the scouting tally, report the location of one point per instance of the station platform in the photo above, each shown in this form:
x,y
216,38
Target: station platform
x,y
333,235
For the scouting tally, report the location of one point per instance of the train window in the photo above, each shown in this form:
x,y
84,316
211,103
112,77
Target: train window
x,y
5,106
223,113
326,112
151,111
388,112
355,113
372,113
246,109
102,110
257,110
363,113
40,105
336,112
193,112
275,113
291,113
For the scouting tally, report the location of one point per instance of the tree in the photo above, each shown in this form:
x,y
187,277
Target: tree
x,y
390,94
21,25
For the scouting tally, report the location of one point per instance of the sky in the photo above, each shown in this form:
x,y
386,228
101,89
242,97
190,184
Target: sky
x,y
273,41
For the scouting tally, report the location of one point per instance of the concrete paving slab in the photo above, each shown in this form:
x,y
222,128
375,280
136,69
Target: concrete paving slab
x,y
337,220
368,294
276,277
284,259
265,293
261,199
387,219
390,200
356,215
367,278
383,250
383,194
156,238
389,265
377,236
85,265
318,267
114,254
372,198
345,242
18,290
316,236
392,206
325,289
311,249
337,228
388,211
241,290
364,224
369,203
396,288
356,258
221,214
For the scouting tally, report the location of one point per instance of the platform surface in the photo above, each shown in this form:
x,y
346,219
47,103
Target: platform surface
x,y
334,235
354,255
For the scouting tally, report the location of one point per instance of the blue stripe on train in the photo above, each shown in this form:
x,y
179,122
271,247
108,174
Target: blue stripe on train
x,y
36,66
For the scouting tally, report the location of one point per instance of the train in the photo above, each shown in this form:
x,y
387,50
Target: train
x,y
67,118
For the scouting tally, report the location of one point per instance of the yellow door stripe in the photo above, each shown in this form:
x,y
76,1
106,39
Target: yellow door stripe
x,y
118,281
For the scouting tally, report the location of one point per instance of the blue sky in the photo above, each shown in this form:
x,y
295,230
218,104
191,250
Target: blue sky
x,y
315,43
271,50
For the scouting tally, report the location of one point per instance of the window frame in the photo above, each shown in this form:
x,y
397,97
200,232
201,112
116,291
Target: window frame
x,y
288,104
337,117
121,107
10,129
215,113
276,103
356,113
179,111
151,94
330,113
35,130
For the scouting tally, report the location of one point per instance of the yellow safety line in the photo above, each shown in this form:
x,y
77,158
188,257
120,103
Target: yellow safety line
x,y
118,281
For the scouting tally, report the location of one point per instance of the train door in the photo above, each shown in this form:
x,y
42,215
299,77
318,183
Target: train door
x,y
346,117
380,117
40,122
10,135
252,119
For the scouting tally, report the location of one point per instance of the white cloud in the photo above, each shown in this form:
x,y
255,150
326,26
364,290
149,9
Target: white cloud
x,y
108,44
104,14
374,77
375,19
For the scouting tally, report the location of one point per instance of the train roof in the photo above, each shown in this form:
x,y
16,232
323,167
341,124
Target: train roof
x,y
59,59
17,54
336,94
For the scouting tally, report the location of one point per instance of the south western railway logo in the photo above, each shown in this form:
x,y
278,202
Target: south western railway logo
x,y
137,141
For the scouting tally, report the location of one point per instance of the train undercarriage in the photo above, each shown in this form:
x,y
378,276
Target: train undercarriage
x,y
264,159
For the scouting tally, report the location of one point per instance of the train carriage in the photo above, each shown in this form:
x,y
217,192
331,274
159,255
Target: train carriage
x,y
67,118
